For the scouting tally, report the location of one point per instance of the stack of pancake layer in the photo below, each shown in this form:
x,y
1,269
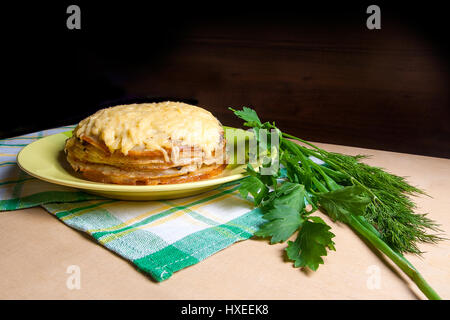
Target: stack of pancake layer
x,y
148,144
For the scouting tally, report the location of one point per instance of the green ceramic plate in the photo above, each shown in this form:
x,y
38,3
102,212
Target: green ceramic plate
x,y
45,160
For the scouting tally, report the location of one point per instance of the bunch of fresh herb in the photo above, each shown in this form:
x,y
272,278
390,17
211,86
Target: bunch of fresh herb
x,y
374,203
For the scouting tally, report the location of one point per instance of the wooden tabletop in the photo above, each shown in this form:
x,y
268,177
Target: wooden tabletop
x,y
36,251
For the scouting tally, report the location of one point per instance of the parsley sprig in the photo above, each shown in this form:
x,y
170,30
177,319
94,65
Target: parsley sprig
x,y
374,203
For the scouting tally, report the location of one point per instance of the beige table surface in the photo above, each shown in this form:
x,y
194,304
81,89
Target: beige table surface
x,y
36,249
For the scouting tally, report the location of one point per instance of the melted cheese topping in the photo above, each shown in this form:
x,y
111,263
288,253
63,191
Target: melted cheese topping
x,y
154,126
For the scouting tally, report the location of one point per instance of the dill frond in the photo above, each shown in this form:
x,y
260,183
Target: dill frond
x,y
391,211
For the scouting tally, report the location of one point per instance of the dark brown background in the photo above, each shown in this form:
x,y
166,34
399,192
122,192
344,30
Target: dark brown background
x,y
315,70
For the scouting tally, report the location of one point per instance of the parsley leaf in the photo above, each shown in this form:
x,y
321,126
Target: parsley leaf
x,y
269,180
341,204
288,194
283,222
311,244
255,187
249,116
284,207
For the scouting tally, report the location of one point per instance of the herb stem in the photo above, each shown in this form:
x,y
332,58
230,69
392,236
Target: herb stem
x,y
335,166
301,140
374,197
398,259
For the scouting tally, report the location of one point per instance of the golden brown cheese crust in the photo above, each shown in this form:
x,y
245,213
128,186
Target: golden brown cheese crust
x,y
147,161
153,126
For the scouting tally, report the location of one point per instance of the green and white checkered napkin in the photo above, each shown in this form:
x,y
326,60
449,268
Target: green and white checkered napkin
x,y
159,237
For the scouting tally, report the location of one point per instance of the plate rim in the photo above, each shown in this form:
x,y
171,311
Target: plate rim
x,y
108,187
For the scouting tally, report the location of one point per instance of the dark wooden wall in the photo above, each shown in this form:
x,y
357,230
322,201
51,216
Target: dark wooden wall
x,y
320,77
350,87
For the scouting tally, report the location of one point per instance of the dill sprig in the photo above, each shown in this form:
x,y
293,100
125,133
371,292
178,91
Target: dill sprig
x,y
391,211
